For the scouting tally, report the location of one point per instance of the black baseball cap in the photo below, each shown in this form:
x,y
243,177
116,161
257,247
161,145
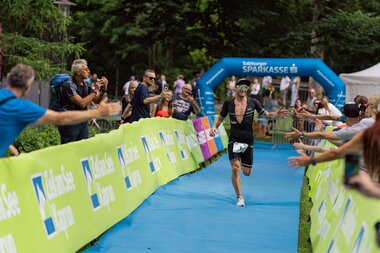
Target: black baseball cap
x,y
351,110
243,81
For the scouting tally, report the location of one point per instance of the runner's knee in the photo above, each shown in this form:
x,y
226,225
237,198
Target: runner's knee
x,y
235,167
246,171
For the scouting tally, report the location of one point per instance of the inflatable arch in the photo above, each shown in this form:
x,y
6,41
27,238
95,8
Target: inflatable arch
x,y
291,67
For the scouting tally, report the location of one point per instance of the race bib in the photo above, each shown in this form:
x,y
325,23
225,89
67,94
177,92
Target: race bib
x,y
239,147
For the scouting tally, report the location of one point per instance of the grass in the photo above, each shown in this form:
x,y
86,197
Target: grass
x,y
304,244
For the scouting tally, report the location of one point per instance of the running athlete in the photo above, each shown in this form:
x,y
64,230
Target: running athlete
x,y
241,110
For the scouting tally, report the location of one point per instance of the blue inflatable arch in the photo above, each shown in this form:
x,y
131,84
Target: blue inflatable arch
x,y
334,87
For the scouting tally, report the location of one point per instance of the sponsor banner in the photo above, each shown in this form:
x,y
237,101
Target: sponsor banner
x,y
315,68
341,220
217,137
210,140
202,138
60,198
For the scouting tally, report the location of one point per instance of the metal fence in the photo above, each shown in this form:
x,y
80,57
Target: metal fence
x,y
284,125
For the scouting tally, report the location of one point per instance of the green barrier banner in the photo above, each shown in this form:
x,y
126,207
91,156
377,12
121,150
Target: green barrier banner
x,y
342,220
60,198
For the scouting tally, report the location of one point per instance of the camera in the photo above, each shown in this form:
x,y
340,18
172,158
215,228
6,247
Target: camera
x,y
351,167
166,87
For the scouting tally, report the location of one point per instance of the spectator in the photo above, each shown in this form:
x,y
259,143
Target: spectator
x,y
362,102
310,100
294,90
329,109
231,87
164,108
76,96
126,85
284,87
184,104
255,89
162,83
127,99
178,84
16,113
267,82
354,126
366,142
299,107
141,100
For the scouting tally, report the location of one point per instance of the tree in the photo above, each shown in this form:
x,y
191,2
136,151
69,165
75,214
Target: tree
x,y
31,35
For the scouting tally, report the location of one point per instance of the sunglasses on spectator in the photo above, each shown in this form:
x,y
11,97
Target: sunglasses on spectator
x,y
242,87
363,107
151,78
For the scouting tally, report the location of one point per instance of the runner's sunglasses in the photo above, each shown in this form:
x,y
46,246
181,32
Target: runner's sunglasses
x,y
242,87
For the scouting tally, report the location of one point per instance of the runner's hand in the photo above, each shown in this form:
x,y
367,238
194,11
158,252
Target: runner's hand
x,y
213,131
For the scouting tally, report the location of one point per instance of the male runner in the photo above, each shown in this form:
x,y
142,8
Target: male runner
x,y
240,144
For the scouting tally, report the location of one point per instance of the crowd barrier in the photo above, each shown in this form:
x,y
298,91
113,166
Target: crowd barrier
x,y
284,125
341,220
60,198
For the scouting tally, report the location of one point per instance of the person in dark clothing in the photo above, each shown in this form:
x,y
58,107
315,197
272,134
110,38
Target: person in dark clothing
x,y
127,99
76,96
241,111
141,99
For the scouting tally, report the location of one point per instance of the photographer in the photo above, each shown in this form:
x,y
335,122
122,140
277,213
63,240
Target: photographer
x,y
76,96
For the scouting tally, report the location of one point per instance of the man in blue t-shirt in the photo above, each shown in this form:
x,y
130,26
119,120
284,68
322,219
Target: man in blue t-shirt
x,y
141,100
16,113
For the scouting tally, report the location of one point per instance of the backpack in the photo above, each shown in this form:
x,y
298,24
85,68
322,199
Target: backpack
x,y
56,82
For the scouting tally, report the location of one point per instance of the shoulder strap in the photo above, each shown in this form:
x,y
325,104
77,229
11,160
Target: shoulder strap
x,y
6,100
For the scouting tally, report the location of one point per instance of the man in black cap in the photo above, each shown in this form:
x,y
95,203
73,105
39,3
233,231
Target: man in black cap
x,y
241,110
351,114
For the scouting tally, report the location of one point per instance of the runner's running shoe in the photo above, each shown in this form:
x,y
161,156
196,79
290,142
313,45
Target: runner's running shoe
x,y
240,202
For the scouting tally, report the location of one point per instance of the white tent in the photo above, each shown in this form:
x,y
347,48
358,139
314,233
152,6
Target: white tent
x,y
365,82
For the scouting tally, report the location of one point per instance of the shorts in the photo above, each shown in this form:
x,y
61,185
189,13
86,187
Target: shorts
x,y
246,157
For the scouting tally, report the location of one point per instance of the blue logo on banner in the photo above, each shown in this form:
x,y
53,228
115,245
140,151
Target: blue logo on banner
x,y
358,240
90,184
122,164
147,152
43,205
183,156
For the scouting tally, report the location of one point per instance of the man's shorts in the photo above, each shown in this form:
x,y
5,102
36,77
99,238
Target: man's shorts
x,y
246,157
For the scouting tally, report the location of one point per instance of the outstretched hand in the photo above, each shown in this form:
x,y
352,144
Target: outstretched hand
x,y
282,113
299,145
296,134
305,115
299,161
108,109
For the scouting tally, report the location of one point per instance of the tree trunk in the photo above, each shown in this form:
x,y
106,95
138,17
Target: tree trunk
x,y
117,82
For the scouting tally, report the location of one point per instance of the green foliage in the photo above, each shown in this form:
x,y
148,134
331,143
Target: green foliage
x,y
34,33
34,138
304,244
39,137
188,36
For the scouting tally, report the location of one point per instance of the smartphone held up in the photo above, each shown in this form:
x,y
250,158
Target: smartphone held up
x,y
351,167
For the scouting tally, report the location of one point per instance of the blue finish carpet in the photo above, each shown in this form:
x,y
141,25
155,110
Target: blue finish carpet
x,y
198,213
